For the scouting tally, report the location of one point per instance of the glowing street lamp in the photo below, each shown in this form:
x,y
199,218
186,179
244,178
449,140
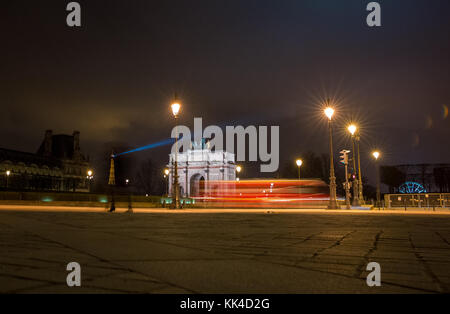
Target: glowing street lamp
x,y
176,107
356,191
299,163
90,176
130,198
329,112
166,177
376,155
352,129
238,170
8,173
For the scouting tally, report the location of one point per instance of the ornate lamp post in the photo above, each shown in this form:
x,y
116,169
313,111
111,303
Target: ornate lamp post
x,y
299,163
376,155
176,190
329,112
356,202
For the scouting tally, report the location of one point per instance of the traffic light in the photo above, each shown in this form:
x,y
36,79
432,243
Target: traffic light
x,y
344,157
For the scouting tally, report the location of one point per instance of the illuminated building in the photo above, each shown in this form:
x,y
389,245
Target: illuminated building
x,y
199,164
58,165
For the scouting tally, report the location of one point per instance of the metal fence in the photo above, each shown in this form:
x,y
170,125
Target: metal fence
x,y
429,200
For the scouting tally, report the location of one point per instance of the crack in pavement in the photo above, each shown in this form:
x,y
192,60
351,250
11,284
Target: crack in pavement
x,y
427,269
360,269
124,268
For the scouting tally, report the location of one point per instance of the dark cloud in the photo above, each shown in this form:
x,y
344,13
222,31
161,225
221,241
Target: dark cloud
x,y
232,62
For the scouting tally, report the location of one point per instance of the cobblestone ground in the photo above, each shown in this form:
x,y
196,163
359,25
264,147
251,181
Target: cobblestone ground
x,y
223,252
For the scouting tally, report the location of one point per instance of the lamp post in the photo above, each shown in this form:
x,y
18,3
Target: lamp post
x,y
130,201
8,173
356,202
166,180
175,190
329,112
238,171
376,155
90,176
360,185
299,163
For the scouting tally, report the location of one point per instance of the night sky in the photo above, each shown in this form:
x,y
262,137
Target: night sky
x,y
232,62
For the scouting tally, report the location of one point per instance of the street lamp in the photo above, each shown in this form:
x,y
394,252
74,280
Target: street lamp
x,y
175,190
8,173
299,163
90,176
376,155
329,112
238,171
166,177
130,200
356,201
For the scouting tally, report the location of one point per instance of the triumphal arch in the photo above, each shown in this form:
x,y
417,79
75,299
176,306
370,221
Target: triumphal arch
x,y
200,163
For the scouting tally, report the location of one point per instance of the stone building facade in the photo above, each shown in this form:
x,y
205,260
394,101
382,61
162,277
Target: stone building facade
x,y
58,165
198,164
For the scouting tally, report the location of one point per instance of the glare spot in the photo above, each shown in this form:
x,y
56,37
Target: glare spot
x,y
444,112
415,140
428,122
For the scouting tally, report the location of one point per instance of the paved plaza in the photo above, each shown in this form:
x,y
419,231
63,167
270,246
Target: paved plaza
x,y
223,252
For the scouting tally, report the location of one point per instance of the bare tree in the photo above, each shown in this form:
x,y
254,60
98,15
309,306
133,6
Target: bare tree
x,y
147,179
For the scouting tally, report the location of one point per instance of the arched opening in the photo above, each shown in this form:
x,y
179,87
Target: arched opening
x,y
197,183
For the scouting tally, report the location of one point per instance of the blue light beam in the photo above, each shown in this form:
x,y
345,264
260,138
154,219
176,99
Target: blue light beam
x,y
154,145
